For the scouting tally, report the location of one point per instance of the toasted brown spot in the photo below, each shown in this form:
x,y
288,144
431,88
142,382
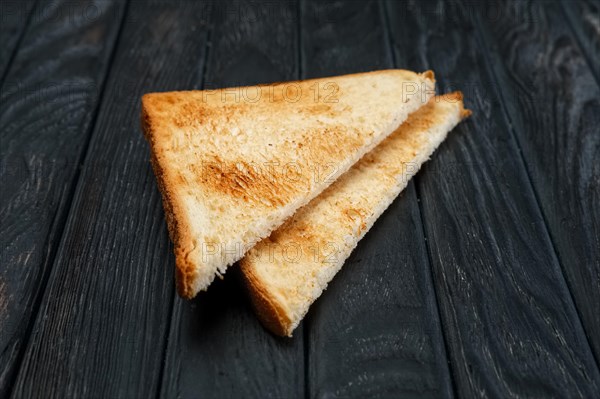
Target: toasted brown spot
x,y
252,183
196,113
168,98
318,109
354,215
191,115
274,186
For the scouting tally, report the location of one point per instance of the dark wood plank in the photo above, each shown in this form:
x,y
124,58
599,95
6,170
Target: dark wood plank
x,y
103,322
47,105
15,17
511,326
556,120
227,353
584,18
375,332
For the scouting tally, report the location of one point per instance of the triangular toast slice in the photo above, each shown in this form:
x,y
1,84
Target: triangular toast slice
x,y
286,272
234,164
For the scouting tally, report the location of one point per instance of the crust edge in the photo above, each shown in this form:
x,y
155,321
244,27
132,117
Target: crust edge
x,y
185,272
269,311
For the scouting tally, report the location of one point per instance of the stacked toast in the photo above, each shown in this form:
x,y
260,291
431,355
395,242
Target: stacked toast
x,y
286,178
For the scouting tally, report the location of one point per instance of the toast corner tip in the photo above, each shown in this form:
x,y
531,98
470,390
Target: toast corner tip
x,y
429,74
465,113
146,98
457,97
184,278
184,289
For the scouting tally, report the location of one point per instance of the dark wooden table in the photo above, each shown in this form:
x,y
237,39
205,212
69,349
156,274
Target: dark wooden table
x,y
482,279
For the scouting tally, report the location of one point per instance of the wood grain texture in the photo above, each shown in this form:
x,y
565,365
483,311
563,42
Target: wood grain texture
x,y
556,118
508,206
103,321
47,104
375,332
510,323
15,16
217,348
584,18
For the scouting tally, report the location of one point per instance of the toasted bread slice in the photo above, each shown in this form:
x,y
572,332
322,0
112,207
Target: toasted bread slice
x,y
286,272
233,164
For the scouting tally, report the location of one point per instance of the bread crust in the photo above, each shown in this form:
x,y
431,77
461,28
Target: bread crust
x,y
270,312
178,230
